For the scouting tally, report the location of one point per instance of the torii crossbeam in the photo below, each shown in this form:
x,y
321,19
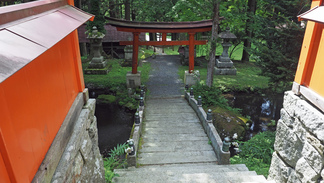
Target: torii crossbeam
x,y
161,27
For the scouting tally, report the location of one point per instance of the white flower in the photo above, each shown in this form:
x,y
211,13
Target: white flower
x,y
237,150
128,150
235,136
130,141
235,144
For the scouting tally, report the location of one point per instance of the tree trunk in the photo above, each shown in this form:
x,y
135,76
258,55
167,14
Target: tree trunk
x,y
127,9
212,57
247,42
83,49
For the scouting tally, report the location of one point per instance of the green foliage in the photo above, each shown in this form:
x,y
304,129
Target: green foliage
x,y
279,41
115,81
256,153
99,20
115,160
247,78
106,98
211,96
253,164
260,146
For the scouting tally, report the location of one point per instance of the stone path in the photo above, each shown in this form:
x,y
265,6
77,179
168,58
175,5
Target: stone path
x,y
164,80
174,146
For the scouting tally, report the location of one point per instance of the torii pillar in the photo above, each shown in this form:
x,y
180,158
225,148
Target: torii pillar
x,y
133,79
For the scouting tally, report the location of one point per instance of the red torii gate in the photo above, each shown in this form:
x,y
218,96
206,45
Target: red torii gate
x,y
161,27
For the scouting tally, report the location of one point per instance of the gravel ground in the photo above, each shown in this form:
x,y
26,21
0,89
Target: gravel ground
x,y
164,81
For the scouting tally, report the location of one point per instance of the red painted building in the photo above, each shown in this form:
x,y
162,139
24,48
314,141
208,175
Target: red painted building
x,y
40,77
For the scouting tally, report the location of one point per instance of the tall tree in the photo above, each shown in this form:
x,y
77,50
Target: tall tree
x,y
279,41
251,8
214,36
127,9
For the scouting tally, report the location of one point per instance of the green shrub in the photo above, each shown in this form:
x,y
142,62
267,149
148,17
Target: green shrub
x,y
256,153
260,147
106,98
211,96
115,160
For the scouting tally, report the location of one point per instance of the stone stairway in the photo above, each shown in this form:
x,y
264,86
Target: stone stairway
x,y
189,173
175,148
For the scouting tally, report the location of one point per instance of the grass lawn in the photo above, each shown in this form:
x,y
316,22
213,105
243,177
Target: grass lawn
x,y
247,78
116,76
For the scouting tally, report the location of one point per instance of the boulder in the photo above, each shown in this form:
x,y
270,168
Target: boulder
x,y
227,123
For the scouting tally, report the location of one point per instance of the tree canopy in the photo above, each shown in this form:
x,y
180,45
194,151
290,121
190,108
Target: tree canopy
x,y
269,29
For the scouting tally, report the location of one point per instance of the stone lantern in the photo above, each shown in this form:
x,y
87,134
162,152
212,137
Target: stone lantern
x,y
224,65
97,62
128,54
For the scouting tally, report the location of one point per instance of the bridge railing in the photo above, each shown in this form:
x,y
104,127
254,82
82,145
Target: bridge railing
x,y
216,141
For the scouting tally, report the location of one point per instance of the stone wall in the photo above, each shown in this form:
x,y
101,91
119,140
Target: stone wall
x,y
299,148
216,142
81,160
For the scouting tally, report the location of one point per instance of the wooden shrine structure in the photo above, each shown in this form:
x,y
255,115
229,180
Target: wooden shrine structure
x,y
161,27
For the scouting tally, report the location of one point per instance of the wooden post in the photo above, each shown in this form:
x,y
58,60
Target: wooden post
x,y
135,51
164,35
191,51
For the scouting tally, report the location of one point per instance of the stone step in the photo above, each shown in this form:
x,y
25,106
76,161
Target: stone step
x,y
173,124
166,101
183,117
189,175
174,138
178,146
172,131
199,167
176,157
204,172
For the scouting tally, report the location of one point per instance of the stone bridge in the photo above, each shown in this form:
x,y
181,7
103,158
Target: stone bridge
x,y
175,142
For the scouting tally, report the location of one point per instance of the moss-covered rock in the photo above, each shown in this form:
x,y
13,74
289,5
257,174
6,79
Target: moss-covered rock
x,y
227,123
106,99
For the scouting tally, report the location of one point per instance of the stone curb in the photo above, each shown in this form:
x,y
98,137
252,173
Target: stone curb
x,y
131,159
216,141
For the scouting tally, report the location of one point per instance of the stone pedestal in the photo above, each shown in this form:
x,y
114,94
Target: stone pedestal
x,y
191,78
133,80
128,55
97,62
224,68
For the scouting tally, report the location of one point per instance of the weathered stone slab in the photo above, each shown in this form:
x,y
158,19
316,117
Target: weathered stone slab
x,y
176,157
305,172
311,118
287,144
313,157
315,143
279,171
289,103
286,118
293,178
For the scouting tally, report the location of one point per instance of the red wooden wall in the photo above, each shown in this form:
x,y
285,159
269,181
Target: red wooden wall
x,y
33,104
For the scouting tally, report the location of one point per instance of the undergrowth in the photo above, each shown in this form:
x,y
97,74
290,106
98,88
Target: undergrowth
x,y
211,96
115,160
256,153
115,81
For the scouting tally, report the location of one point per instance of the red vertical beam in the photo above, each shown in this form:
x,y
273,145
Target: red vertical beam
x,y
191,51
164,35
135,51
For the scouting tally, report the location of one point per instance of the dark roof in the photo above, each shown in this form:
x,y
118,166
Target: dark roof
x,y
159,25
112,35
23,40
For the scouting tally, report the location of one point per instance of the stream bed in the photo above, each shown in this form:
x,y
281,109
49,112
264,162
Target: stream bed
x,y
262,109
114,125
